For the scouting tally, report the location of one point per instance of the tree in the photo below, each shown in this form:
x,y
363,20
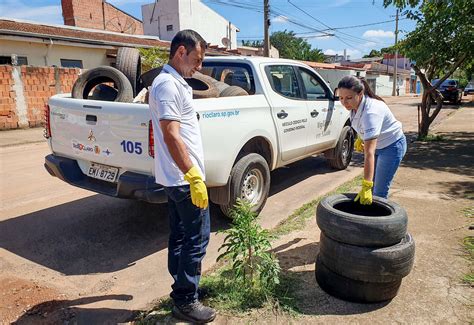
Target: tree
x,y
292,47
384,50
252,43
441,43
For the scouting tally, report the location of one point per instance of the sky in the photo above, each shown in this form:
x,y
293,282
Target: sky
x,y
310,19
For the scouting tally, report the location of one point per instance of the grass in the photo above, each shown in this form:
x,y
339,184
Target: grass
x,y
231,298
468,247
431,138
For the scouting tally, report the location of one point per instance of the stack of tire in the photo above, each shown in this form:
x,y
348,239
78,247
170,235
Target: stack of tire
x,y
125,81
364,250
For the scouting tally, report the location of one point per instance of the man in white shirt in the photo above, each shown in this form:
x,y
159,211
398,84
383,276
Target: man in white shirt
x,y
179,167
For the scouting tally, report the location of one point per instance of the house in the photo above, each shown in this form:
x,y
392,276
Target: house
x,y
257,51
164,18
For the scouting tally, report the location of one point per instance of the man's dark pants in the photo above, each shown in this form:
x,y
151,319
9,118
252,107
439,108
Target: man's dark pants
x,y
189,235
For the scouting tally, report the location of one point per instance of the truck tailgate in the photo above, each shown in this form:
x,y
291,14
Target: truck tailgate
x,y
107,133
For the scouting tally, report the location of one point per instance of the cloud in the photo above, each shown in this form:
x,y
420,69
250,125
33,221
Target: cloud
x,y
378,34
352,53
280,20
338,3
18,10
369,44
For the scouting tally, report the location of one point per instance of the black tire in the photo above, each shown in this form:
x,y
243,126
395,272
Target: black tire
x,y
233,91
385,264
146,79
383,223
340,157
202,87
104,92
89,79
129,63
352,290
249,179
218,84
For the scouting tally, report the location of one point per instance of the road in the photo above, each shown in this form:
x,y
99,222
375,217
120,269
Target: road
x,y
102,259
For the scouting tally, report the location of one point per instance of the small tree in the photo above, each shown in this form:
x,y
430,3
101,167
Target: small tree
x,y
247,245
292,47
442,42
153,58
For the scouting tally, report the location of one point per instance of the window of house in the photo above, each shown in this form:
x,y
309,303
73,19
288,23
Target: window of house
x,y
21,60
169,28
68,63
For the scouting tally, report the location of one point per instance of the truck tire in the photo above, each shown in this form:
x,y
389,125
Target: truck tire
x,y
129,63
104,92
249,180
383,223
202,87
352,290
233,91
89,79
368,264
218,84
340,157
146,79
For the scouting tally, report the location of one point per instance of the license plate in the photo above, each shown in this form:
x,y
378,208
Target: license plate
x,y
105,173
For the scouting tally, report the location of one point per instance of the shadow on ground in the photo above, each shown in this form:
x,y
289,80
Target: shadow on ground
x,y
309,297
68,312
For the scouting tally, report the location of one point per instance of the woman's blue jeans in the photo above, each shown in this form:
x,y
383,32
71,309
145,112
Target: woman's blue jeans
x,y
387,161
189,235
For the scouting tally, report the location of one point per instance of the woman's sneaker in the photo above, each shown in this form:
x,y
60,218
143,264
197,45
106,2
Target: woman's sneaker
x,y
194,312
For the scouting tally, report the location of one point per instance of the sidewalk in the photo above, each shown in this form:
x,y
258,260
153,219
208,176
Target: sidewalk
x,y
434,184
21,136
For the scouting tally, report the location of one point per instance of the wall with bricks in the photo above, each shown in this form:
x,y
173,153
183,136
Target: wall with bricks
x,y
25,90
98,14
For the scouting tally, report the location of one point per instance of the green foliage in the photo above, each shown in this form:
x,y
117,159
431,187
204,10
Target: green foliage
x,y
153,58
431,138
247,245
384,50
292,47
252,43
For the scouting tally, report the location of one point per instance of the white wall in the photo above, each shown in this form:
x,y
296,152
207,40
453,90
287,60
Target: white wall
x,y
187,14
384,84
36,53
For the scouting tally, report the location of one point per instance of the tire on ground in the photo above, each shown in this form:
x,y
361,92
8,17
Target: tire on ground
x,y
384,264
91,78
249,179
340,157
352,290
383,223
129,63
202,87
233,91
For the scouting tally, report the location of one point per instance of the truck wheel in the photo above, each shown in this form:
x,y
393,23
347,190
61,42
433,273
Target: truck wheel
x,y
368,264
340,157
146,79
249,180
233,91
96,76
202,87
129,63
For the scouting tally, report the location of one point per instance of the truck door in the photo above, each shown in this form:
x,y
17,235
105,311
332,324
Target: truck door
x,y
322,117
289,110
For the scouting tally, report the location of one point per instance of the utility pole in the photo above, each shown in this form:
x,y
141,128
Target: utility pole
x,y
395,75
266,25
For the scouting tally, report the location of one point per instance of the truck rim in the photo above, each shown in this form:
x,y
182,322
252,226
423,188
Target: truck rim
x,y
252,186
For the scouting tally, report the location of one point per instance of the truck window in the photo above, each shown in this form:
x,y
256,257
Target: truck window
x,y
233,74
313,86
283,80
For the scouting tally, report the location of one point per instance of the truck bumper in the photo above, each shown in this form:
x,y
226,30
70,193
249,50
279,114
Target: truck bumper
x,y
129,185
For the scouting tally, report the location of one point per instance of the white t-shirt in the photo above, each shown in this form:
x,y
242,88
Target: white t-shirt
x,y
171,98
374,120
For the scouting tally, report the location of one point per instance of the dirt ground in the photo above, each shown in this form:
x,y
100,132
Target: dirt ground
x,y
434,185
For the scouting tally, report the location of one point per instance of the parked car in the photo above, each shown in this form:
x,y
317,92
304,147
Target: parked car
x,y
289,113
450,90
469,89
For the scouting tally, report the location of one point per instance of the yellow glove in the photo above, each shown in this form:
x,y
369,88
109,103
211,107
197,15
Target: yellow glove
x,y
359,144
365,194
197,187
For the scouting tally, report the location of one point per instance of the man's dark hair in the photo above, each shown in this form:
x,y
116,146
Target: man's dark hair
x,y
189,39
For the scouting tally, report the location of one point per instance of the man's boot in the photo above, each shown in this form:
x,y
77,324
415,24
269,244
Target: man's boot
x,y
194,312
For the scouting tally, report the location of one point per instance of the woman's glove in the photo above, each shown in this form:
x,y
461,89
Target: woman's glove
x,y
197,187
365,194
359,144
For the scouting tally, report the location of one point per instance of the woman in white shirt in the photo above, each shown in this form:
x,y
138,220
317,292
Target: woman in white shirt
x,y
380,136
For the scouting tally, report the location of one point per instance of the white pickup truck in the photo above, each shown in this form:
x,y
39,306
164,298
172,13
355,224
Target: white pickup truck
x,y
290,114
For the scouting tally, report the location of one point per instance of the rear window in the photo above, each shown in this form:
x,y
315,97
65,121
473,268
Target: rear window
x,y
233,74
